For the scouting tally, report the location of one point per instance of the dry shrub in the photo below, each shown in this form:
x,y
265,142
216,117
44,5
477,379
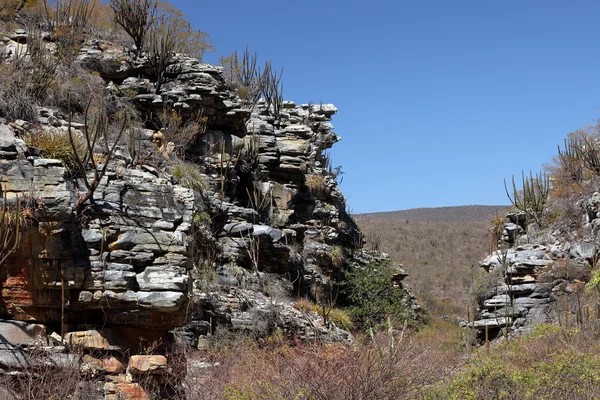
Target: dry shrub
x,y
551,363
43,377
55,144
10,8
317,186
386,367
75,85
179,131
15,103
304,305
189,175
24,81
562,269
194,43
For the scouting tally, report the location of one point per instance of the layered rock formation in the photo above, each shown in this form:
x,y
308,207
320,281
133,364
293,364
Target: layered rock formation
x,y
264,224
538,275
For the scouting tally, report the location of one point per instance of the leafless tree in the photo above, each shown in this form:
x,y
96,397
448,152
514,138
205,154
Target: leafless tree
x,y
95,132
161,48
136,17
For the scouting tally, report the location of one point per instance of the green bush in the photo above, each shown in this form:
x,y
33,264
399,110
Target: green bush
x,y
373,298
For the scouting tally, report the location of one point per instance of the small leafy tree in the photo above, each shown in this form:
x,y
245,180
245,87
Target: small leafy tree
x,y
194,43
374,298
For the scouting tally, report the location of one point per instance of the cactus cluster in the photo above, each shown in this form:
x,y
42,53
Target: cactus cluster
x,y
533,197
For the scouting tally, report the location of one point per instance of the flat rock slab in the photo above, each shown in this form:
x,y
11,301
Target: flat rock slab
x,y
152,364
19,332
93,339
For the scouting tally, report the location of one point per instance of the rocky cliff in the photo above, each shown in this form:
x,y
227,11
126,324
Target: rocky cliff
x,y
219,232
539,272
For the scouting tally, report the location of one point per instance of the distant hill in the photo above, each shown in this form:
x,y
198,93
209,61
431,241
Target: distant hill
x,y
442,214
440,248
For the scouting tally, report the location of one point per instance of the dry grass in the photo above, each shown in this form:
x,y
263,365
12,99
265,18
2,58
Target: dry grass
x,y
56,144
316,184
189,174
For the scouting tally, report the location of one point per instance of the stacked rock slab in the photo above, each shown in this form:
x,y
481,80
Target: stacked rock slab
x,y
537,276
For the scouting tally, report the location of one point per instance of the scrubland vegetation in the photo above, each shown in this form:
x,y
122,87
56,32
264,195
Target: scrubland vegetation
x,y
393,356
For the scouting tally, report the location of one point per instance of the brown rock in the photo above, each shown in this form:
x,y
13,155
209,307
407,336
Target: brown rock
x,y
152,364
93,340
121,388
108,365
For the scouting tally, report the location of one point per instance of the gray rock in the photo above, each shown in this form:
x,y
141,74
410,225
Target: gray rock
x,y
237,228
21,333
585,250
492,323
264,230
161,301
293,146
159,278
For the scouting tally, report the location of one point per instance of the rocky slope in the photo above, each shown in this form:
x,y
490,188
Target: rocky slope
x,y
149,259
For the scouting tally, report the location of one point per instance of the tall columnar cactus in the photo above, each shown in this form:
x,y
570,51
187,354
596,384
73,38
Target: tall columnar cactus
x,y
589,152
10,228
571,159
534,196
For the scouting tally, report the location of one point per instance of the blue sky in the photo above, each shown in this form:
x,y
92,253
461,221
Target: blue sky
x,y
438,101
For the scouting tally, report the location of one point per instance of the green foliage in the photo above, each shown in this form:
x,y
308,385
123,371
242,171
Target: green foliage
x,y
202,219
552,363
374,298
594,283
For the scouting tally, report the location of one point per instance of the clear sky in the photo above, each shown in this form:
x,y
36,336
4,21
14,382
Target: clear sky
x,y
438,101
